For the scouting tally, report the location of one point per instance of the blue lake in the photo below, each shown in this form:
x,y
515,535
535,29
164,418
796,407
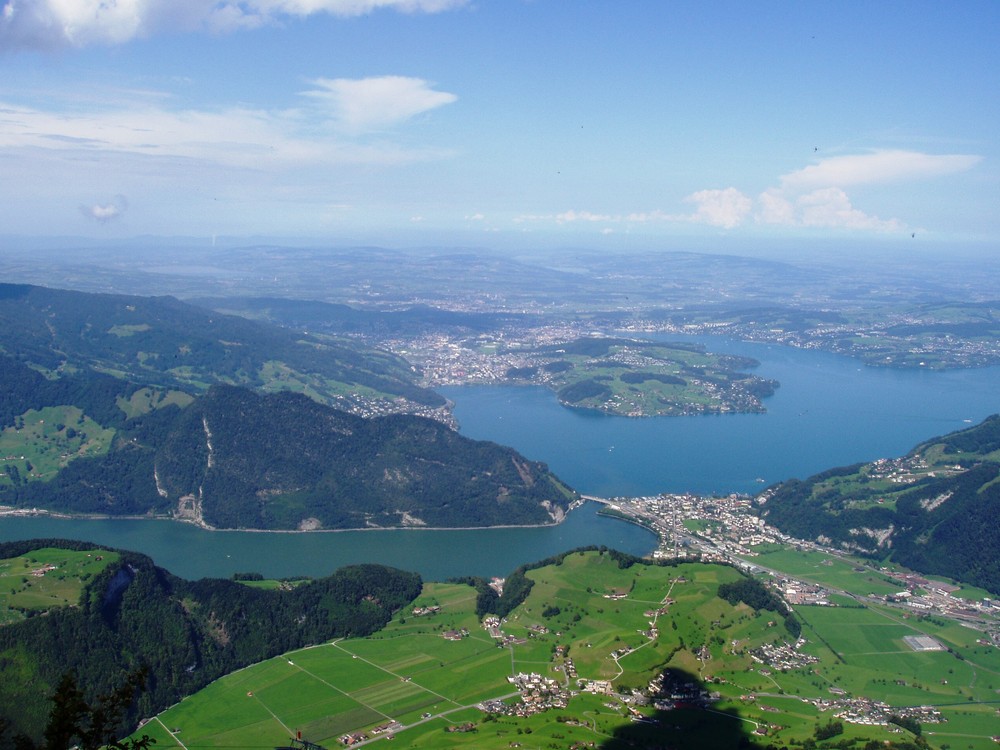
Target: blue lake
x,y
829,411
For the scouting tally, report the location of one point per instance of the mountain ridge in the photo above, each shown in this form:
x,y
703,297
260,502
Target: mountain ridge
x,y
933,510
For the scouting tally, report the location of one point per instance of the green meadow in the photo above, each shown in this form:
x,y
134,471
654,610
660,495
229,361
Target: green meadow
x,y
46,578
624,626
833,571
147,399
43,442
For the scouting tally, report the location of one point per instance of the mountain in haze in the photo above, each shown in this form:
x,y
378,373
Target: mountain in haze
x,y
934,510
163,341
340,319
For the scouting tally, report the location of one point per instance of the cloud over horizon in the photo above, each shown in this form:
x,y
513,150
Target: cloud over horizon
x,y
877,167
811,197
56,24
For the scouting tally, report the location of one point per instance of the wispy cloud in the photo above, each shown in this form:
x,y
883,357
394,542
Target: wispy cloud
x,y
372,103
877,167
52,24
228,136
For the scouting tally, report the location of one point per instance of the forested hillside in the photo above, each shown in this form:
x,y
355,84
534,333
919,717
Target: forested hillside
x,y
935,510
187,633
107,405
238,459
163,341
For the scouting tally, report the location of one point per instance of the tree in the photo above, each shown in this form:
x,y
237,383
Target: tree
x,y
91,726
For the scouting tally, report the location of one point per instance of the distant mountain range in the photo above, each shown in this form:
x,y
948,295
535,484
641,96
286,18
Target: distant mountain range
x,y
342,319
934,510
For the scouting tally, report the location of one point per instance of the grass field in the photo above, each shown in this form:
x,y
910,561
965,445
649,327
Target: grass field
x,y
592,610
833,571
44,441
46,578
146,400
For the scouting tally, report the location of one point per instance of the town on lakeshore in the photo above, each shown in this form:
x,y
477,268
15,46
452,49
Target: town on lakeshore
x,y
721,529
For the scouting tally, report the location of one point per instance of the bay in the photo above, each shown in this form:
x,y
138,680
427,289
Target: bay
x,y
828,411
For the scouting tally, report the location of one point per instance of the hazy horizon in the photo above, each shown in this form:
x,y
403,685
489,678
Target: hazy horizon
x,y
407,123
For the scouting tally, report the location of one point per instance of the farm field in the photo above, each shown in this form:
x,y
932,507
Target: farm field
x,y
826,569
46,578
588,621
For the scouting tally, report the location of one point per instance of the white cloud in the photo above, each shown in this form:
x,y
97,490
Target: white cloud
x,y
571,216
877,167
106,212
32,24
815,196
830,207
774,208
368,103
812,197
721,208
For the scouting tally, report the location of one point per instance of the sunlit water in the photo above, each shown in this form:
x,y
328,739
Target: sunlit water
x,y
829,411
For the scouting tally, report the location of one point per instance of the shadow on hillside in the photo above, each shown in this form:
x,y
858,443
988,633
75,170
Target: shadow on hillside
x,y
686,720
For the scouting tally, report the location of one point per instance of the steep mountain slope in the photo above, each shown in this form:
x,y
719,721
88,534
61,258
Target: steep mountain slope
x,y
238,459
935,510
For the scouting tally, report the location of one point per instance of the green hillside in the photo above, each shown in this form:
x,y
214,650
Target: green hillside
x,y
127,613
613,654
165,342
233,458
934,510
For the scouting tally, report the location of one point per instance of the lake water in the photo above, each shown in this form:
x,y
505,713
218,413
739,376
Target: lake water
x,y
829,411
190,552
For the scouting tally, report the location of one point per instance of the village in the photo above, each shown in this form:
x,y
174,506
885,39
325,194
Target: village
x,y
723,529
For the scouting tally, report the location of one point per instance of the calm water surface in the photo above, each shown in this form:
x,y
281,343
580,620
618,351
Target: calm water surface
x,y
193,553
829,411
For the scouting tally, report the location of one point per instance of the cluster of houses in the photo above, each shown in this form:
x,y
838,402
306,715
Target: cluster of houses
x,y
431,609
387,729
867,711
492,626
782,656
537,694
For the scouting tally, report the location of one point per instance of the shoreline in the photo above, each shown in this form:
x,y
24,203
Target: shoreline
x,y
11,512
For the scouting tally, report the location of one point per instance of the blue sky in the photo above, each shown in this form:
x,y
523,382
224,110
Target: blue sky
x,y
490,122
